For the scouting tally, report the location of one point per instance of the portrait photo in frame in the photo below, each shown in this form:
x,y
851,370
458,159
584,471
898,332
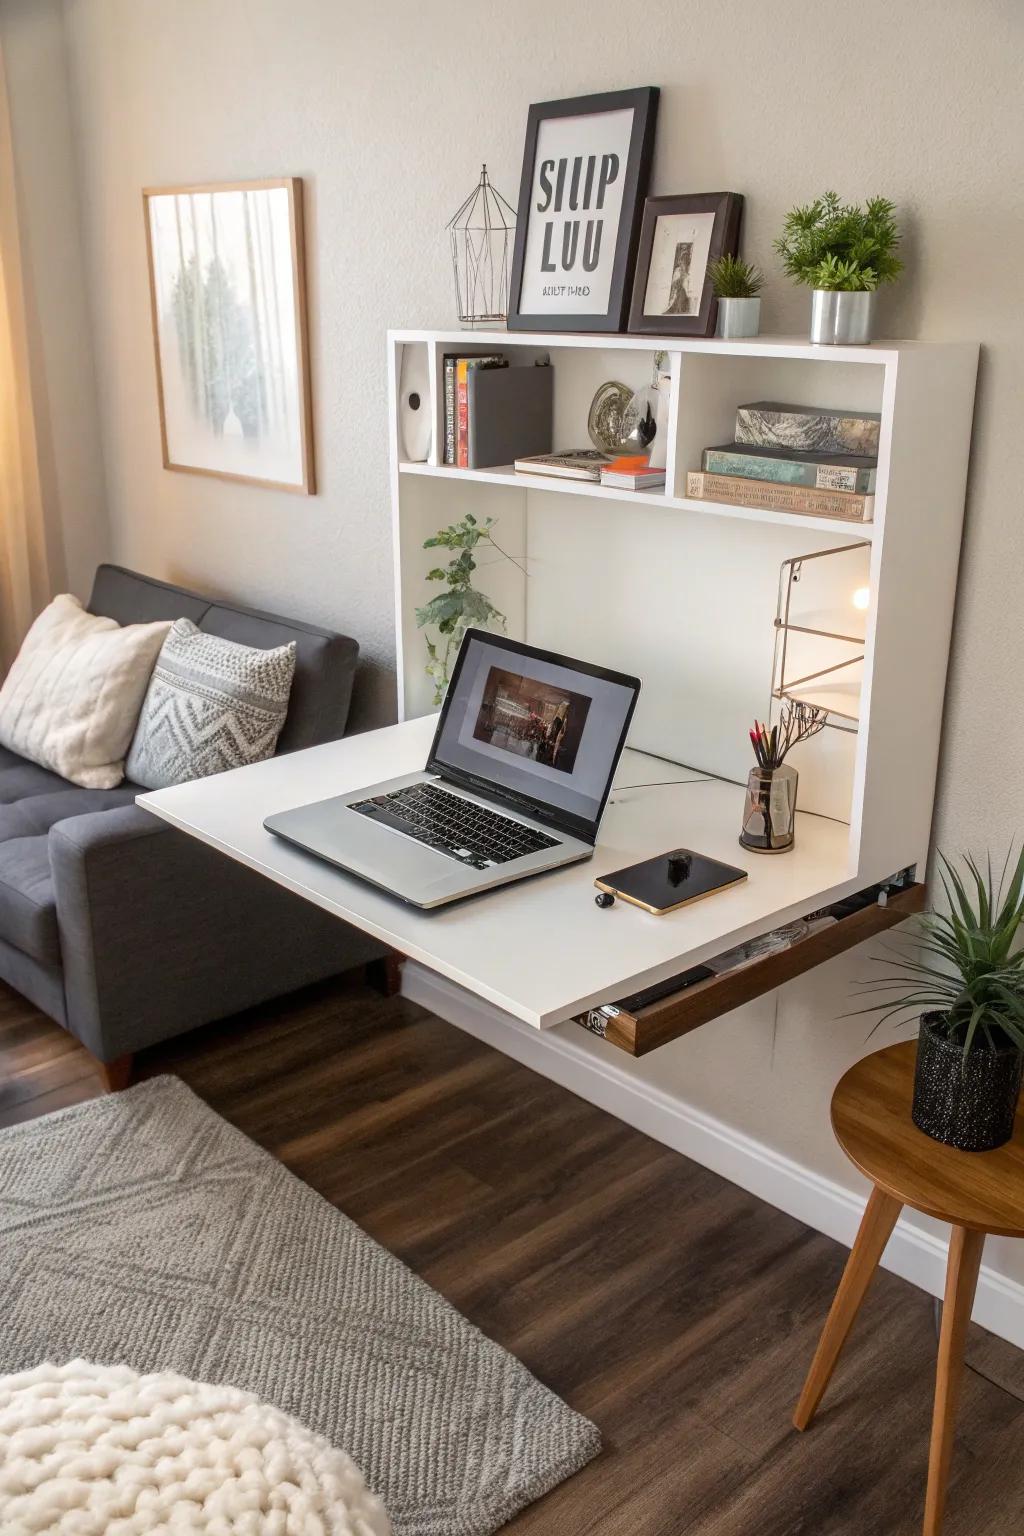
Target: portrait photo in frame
x,y
679,239
586,165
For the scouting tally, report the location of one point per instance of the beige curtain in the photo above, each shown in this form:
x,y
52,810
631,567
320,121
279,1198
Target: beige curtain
x,y
24,577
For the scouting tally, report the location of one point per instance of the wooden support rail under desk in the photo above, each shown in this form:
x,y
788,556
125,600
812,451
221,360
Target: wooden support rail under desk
x,y
688,1009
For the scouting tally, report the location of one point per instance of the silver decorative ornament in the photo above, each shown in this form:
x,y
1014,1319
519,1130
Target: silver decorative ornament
x,y
604,422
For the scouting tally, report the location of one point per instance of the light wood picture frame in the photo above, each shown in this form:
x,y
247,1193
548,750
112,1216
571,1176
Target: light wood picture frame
x,y
228,303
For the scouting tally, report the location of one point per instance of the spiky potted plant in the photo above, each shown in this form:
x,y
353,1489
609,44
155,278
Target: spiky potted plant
x,y
737,286
967,975
844,253
460,606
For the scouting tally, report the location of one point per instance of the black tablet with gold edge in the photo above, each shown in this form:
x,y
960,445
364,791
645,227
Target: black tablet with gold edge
x,y
671,880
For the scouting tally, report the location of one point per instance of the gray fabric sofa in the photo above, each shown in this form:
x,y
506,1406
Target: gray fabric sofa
x,y
128,932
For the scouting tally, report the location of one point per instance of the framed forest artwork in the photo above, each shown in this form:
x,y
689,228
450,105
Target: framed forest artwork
x,y
227,289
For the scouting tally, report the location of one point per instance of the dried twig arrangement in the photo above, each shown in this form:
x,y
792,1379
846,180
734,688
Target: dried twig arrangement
x,y
798,722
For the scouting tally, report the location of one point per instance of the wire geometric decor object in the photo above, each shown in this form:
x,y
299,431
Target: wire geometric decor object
x,y
838,695
482,233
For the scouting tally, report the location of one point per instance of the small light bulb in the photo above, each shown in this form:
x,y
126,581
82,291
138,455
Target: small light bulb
x,y
861,598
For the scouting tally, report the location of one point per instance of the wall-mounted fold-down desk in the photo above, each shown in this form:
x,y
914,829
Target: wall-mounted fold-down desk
x,y
684,594
541,949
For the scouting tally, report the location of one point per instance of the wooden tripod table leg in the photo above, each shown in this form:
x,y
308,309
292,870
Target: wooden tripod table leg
x,y
961,1283
875,1230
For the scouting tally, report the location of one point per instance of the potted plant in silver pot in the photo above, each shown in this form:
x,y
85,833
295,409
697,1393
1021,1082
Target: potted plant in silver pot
x,y
844,253
966,978
737,286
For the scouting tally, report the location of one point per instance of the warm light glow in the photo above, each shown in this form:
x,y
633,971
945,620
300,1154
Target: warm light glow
x,y
861,598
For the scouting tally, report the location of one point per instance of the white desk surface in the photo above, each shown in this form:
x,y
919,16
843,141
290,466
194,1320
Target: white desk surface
x,y
538,948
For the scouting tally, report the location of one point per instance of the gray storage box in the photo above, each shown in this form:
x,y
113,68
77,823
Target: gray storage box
x,y
510,413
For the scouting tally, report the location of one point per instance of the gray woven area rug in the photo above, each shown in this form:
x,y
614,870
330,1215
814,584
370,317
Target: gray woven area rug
x,y
141,1227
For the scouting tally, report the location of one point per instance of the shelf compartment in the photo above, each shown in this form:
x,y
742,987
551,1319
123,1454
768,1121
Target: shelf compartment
x,y
676,1015
505,475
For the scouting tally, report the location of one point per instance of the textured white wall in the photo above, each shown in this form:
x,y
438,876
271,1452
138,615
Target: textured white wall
x,y
387,111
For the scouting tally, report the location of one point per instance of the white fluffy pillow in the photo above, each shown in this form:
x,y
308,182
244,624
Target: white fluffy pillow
x,y
72,698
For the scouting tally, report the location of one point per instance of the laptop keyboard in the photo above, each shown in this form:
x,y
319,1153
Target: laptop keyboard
x,y
459,828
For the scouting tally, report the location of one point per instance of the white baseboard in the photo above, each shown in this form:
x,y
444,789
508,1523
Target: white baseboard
x,y
916,1255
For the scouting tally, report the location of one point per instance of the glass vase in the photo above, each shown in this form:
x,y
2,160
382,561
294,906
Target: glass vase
x,y
769,813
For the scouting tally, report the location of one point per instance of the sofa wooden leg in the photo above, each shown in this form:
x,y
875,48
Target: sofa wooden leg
x,y
385,975
116,1074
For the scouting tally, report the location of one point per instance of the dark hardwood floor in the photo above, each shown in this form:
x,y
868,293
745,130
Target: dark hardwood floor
x,y
676,1311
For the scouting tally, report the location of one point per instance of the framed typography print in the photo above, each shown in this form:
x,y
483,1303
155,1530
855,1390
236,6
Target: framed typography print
x,y
228,297
679,239
585,170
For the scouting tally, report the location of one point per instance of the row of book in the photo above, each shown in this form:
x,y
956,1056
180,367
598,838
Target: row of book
x,y
456,400
494,410
794,458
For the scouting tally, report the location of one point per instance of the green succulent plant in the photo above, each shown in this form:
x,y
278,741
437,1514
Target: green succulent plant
x,y
460,606
840,246
966,964
734,278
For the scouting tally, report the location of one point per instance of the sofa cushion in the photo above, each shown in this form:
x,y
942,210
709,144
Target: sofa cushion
x,y
325,668
71,700
211,705
20,778
28,914
28,910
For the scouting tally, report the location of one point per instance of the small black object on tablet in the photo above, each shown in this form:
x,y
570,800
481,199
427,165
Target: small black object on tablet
x,y
671,880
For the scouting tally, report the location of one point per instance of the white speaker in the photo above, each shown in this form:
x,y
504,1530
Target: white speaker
x,y
414,413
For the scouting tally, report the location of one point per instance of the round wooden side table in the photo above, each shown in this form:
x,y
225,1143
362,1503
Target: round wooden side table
x,y
976,1192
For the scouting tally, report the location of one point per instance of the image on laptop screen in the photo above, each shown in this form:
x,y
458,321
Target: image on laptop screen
x,y
531,719
534,725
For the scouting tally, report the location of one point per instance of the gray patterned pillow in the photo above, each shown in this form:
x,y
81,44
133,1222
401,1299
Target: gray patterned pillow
x,y
212,704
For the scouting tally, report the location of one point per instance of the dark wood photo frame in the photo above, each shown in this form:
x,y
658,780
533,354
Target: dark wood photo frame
x,y
643,102
727,210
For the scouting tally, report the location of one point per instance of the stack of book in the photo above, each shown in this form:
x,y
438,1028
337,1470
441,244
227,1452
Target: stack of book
x,y
794,458
631,473
571,464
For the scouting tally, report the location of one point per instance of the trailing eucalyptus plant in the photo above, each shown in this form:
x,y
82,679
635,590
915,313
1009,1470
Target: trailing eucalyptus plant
x,y
841,247
460,606
734,278
970,967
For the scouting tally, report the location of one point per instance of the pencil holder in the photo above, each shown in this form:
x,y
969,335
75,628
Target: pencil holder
x,y
769,815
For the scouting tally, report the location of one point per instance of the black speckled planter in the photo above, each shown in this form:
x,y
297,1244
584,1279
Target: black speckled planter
x,y
967,1104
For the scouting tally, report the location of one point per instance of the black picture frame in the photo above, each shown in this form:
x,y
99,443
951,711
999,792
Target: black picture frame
x,y
727,208
643,101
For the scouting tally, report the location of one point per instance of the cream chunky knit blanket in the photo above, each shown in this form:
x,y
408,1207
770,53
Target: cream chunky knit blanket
x,y
98,1450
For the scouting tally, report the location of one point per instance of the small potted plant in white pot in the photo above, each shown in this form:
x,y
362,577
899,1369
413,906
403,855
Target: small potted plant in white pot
x,y
737,286
844,253
966,980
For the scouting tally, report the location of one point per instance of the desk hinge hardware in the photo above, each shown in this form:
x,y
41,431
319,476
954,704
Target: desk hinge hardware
x,y
895,883
597,1019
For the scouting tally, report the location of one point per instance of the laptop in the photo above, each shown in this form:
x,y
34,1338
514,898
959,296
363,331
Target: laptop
x,y
519,772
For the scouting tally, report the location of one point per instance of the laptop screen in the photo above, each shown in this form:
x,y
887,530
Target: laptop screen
x,y
535,725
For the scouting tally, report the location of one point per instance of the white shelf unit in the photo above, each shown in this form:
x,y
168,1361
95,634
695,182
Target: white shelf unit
x,y
683,592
